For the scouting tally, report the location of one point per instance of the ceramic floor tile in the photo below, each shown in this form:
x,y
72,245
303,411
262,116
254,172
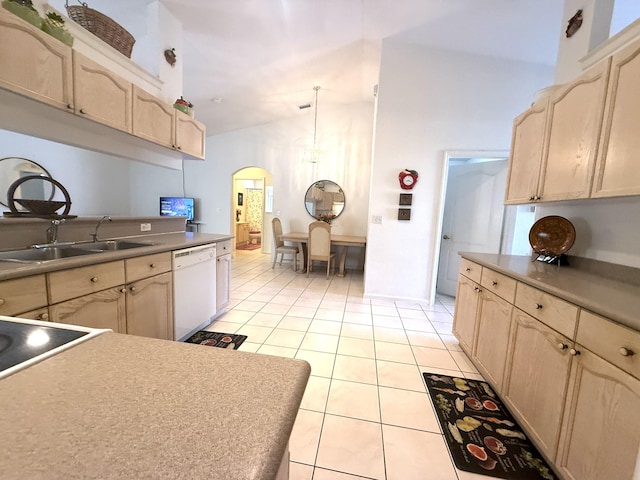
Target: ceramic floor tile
x,y
358,318
325,326
320,342
355,307
235,316
351,446
355,369
295,323
275,308
249,347
324,474
283,299
249,306
425,339
316,393
327,314
394,352
300,471
356,347
444,317
303,443
387,322
400,375
409,305
410,453
434,357
260,297
463,362
417,313
328,304
443,328
255,333
223,327
387,311
441,371
393,335
308,302
418,325
285,338
353,330
404,408
265,319
451,342
277,351
355,400
321,363
304,312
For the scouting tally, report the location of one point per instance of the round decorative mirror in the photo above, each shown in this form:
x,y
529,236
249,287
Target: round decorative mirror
x,y
324,200
15,168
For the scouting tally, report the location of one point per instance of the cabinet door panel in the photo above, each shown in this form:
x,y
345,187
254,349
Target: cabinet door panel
x,y
537,379
76,282
105,309
600,433
617,171
526,154
464,318
150,307
492,338
190,135
22,294
33,63
153,119
100,94
223,281
573,127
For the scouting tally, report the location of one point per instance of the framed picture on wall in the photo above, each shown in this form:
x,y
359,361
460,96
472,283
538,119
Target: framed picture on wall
x,y
240,199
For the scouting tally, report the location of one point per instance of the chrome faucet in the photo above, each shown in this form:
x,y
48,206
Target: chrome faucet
x,y
52,231
94,235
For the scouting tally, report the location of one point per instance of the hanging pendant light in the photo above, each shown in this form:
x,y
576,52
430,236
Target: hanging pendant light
x,y
313,154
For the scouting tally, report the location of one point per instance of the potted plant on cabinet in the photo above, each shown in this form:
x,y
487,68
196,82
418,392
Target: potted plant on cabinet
x,y
53,24
25,10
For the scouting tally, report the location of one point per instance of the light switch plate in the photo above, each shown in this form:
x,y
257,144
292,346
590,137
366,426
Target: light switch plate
x,y
145,227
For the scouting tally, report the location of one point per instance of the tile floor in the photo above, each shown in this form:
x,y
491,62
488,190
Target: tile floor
x,y
365,413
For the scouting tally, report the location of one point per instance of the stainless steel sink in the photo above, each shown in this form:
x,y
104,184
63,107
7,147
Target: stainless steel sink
x,y
35,255
110,245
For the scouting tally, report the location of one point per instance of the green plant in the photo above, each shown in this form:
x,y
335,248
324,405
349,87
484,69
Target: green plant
x,y
55,19
24,3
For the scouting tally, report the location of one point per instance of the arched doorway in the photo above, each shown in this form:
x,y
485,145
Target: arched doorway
x,y
251,208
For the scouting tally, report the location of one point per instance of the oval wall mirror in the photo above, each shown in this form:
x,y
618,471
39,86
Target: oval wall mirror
x,y
323,198
15,168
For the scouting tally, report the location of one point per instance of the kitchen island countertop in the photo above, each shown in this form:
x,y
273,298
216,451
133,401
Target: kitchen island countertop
x,y
122,406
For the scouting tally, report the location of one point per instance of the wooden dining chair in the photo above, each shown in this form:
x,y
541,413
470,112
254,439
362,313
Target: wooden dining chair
x,y
280,247
319,245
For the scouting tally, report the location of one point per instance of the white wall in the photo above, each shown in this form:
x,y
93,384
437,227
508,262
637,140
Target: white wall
x,y
430,101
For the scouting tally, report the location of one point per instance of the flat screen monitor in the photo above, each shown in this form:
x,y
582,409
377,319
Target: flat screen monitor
x,y
177,206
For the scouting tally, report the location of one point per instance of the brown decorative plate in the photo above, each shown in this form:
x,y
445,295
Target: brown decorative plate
x,y
552,235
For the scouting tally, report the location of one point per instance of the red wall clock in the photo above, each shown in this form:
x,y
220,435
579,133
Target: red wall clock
x,y
408,179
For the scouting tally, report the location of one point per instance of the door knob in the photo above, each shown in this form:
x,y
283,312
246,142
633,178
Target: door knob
x,y
446,237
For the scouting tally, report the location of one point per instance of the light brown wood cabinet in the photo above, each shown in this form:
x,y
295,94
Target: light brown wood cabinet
x,y
190,135
41,314
242,234
223,275
617,171
150,307
103,309
76,282
34,64
22,294
101,95
153,119
464,318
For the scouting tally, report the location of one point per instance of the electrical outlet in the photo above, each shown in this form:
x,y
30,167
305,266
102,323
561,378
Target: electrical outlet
x,y
145,227
377,219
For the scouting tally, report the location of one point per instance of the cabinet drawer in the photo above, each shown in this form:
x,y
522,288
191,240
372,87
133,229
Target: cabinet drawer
x,y
222,248
147,266
22,294
41,314
499,284
470,270
76,282
558,314
613,342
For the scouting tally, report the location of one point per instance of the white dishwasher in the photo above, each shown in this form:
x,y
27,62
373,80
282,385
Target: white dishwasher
x,y
194,289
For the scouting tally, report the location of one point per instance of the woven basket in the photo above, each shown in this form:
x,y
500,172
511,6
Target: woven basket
x,y
102,27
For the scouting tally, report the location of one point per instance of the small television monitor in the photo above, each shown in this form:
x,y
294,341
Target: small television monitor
x,y
177,206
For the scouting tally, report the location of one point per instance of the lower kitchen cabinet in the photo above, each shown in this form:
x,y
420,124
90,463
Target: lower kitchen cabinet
x,y
600,432
22,295
150,307
223,281
464,319
539,362
492,336
104,309
38,314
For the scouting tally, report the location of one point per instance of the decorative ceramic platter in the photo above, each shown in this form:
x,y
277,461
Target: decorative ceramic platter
x,y
552,235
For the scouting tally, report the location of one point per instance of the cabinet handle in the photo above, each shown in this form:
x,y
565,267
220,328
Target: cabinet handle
x,y
179,147
69,106
2,302
494,283
538,197
532,198
94,279
562,346
626,352
477,289
83,111
538,306
123,290
133,289
152,265
468,269
574,352
43,316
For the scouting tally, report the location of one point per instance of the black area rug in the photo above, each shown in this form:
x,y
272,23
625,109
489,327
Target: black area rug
x,y
482,435
217,339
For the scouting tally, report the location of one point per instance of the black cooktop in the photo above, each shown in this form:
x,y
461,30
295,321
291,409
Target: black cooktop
x,y
20,342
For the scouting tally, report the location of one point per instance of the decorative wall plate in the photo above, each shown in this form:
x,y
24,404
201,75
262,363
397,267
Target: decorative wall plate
x,y
552,235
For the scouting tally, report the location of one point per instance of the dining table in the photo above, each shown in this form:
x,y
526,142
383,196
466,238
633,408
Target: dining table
x,y
343,242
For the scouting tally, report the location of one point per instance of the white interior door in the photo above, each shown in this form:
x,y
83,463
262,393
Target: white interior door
x,y
472,217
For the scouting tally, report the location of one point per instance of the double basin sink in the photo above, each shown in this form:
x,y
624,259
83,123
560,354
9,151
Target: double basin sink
x,y
54,252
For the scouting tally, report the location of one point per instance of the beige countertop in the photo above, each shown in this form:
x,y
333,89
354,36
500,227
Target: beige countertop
x,y
122,406
617,300
161,243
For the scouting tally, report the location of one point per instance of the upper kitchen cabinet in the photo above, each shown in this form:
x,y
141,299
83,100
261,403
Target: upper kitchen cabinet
x,y
190,135
153,119
571,138
101,95
33,63
617,170
526,154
